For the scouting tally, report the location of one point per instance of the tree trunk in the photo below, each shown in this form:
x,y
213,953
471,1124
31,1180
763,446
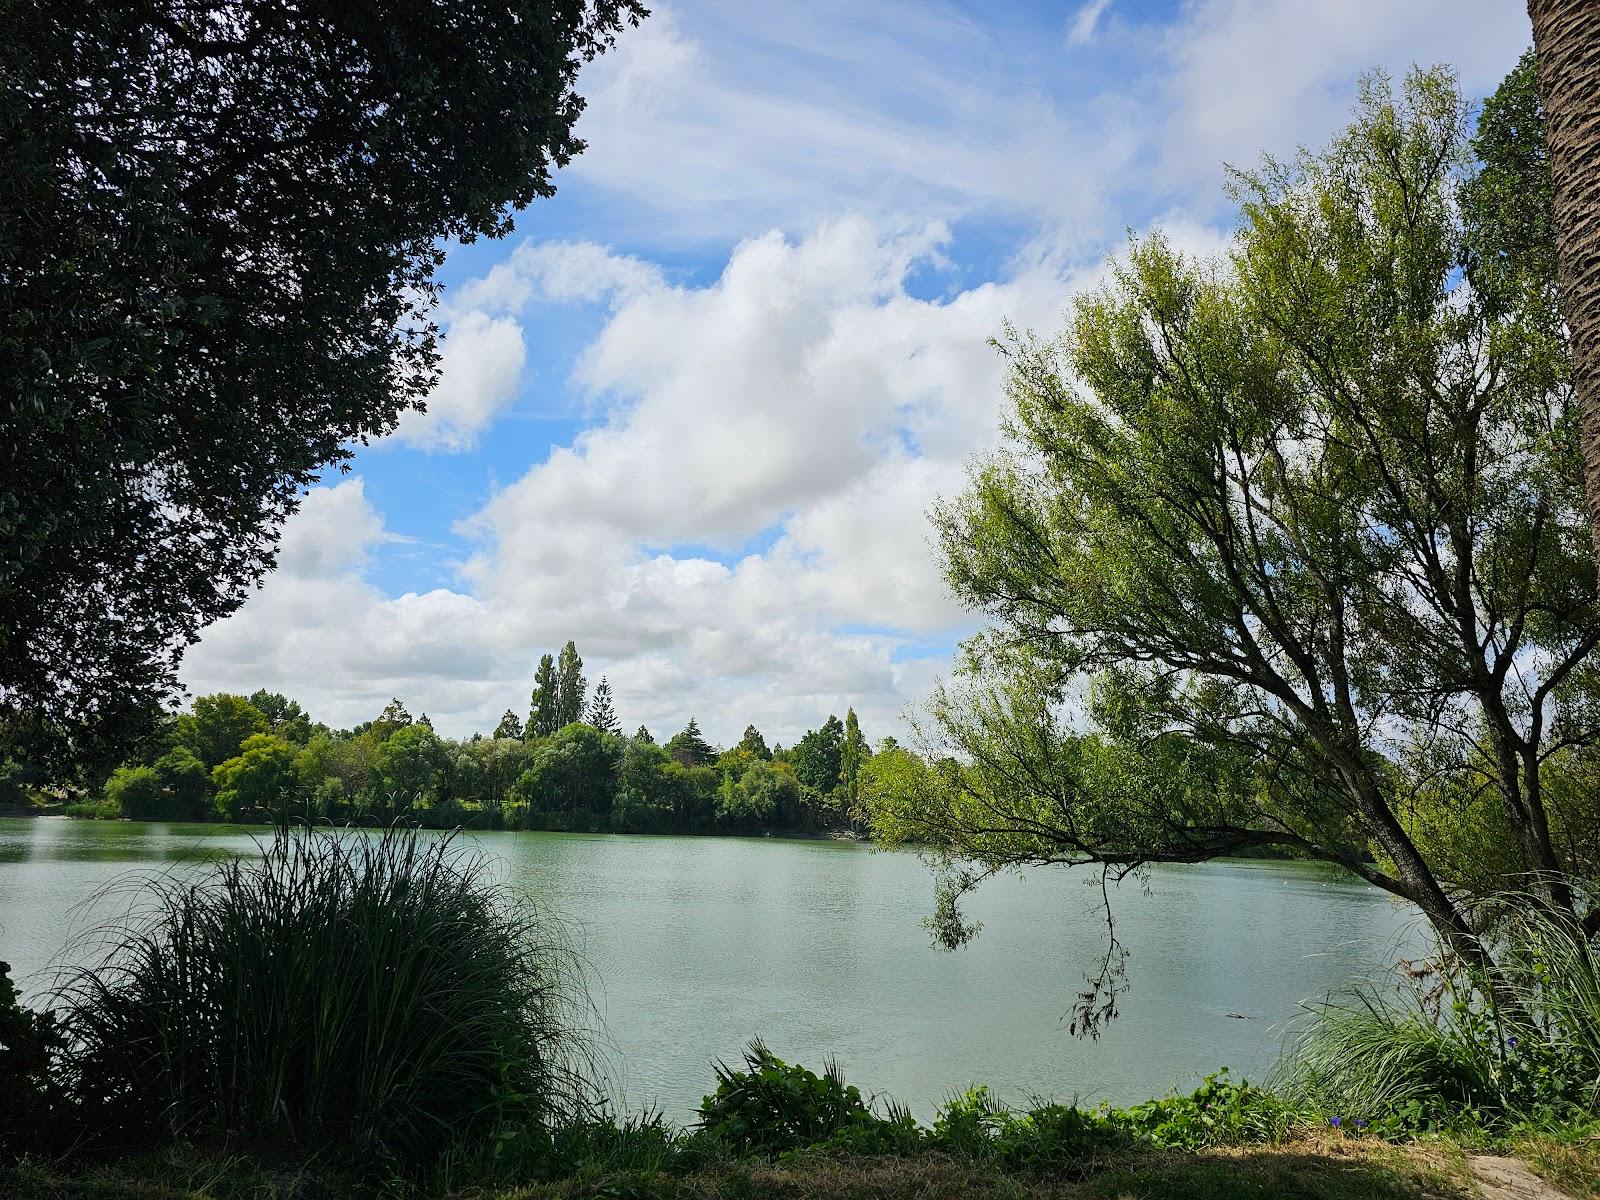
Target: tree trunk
x,y
1566,40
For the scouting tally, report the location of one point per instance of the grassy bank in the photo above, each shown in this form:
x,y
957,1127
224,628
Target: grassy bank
x,y
1310,1169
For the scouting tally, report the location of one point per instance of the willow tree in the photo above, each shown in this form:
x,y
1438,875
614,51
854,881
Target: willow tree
x,y
1276,542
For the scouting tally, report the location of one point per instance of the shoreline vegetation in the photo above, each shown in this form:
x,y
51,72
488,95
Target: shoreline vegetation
x,y
568,768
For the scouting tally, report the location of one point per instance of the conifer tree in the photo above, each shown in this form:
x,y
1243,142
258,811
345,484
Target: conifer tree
x,y
510,726
755,743
689,748
570,686
394,713
601,714
544,714
642,734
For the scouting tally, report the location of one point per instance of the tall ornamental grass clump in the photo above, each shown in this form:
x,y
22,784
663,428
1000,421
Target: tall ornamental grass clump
x,y
373,995
1455,1046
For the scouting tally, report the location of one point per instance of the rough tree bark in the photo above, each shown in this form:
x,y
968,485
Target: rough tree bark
x,y
1566,40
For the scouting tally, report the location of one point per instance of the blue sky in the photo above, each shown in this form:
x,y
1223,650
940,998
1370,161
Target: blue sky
x,y
695,408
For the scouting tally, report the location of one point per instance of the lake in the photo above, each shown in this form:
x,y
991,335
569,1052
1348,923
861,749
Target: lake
x,y
696,945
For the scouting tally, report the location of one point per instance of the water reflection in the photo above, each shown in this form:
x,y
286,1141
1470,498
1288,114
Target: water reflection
x,y
695,945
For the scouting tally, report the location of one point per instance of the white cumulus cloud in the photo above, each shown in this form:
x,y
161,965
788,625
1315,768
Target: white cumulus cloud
x,y
480,368
738,529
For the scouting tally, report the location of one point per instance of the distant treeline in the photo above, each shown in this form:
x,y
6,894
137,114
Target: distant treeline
x,y
568,765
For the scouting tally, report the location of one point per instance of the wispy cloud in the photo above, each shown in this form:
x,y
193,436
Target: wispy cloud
x,y
1084,23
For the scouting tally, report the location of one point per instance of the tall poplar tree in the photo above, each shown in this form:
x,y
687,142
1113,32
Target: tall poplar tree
x,y
853,753
544,712
570,685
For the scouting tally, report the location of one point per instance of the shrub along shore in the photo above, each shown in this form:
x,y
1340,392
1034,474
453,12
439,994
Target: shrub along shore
x,y
370,1013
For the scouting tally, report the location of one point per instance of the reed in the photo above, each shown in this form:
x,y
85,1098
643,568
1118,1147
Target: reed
x,y
373,995
1452,1044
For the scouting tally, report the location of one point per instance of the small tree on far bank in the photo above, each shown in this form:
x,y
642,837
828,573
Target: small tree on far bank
x,y
688,748
510,726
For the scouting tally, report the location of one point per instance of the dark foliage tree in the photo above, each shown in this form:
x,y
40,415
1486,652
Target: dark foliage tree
x,y
570,686
409,767
817,756
602,715
690,749
510,726
573,771
544,712
185,784
391,720
218,237
642,734
284,716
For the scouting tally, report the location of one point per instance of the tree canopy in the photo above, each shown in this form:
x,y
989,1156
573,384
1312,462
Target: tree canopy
x,y
266,758
510,726
218,241
818,756
218,725
1278,543
754,743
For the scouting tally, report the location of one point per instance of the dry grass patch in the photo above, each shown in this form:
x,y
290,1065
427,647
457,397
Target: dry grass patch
x,y
1317,1169
1571,1164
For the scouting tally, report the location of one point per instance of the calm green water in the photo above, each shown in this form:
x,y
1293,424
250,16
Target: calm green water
x,y
696,945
